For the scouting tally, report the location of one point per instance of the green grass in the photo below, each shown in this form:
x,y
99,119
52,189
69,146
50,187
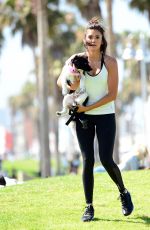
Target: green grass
x,y
29,166
57,204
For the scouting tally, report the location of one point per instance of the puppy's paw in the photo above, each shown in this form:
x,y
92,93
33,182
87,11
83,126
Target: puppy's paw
x,y
58,113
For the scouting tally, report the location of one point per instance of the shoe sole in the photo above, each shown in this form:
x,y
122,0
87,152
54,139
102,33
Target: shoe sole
x,y
88,220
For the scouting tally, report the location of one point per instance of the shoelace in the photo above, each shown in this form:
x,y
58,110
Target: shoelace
x,y
87,210
123,199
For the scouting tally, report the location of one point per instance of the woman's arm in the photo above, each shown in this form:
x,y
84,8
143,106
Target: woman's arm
x,y
112,68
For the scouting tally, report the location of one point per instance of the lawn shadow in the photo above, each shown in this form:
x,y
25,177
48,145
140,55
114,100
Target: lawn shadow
x,y
146,220
96,219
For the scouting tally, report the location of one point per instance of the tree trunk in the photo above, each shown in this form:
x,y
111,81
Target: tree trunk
x,y
58,160
111,52
42,29
91,9
56,128
110,34
35,58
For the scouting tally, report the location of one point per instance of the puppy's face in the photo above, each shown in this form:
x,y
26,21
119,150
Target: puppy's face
x,y
73,70
81,63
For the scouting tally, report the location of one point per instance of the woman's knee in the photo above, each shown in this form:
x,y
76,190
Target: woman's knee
x,y
88,162
107,163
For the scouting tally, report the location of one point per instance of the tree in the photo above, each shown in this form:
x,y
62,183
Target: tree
x,y
22,103
21,16
110,33
1,39
142,6
89,8
42,28
132,42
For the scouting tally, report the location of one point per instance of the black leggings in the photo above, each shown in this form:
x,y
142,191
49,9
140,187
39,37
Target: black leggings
x,y
105,128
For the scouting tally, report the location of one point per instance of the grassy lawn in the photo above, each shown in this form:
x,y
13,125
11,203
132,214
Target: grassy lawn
x,y
57,203
30,167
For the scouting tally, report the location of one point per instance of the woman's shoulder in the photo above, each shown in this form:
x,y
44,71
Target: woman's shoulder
x,y
110,61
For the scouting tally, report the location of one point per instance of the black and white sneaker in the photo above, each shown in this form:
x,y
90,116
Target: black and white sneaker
x,y
2,181
127,205
88,214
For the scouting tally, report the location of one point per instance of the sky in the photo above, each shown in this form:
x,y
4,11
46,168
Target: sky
x,y
16,63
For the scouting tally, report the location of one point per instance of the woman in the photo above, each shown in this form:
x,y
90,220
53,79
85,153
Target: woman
x,y
101,85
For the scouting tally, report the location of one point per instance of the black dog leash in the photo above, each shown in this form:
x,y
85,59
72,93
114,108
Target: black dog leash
x,y
73,113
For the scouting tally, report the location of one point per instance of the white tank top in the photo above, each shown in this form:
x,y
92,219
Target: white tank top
x,y
97,87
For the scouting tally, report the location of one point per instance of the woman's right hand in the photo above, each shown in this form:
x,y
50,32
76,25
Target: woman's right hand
x,y
75,84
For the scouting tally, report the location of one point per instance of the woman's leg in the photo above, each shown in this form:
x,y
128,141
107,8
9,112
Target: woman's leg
x,y
105,130
86,143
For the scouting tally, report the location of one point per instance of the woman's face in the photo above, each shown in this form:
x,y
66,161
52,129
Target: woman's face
x,y
93,39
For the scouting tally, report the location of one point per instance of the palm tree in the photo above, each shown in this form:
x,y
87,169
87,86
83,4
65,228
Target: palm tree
x,y
24,104
42,29
110,33
21,16
89,8
1,39
142,6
